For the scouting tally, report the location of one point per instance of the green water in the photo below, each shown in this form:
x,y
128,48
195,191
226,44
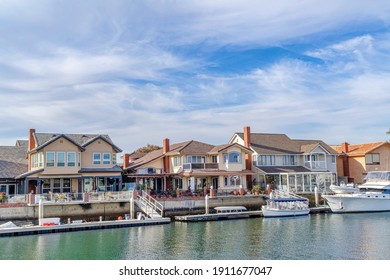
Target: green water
x,y
317,237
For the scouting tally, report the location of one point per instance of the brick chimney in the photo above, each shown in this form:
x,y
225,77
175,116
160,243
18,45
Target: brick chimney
x,y
247,136
31,146
31,139
167,183
126,161
248,157
344,147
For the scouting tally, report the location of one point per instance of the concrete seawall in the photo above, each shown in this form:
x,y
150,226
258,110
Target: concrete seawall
x,y
113,209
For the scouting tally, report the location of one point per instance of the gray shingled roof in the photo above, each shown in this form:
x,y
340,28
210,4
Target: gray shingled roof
x,y
13,161
272,144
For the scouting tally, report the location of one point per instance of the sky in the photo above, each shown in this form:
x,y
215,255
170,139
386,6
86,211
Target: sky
x,y
142,71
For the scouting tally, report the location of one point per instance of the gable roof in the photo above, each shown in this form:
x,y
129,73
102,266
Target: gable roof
x,y
272,144
80,140
183,148
361,149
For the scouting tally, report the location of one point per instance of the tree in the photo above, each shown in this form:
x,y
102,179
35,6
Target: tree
x,y
148,148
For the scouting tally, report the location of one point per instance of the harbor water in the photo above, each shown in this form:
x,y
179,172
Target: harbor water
x,y
329,236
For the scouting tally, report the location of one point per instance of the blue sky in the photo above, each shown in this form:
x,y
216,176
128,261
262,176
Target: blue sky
x,y
142,71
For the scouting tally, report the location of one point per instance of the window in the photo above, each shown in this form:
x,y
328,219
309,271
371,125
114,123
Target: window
x,y
50,159
234,157
40,159
333,159
106,158
266,160
96,158
79,159
113,158
60,159
372,159
196,159
289,160
176,161
214,159
71,159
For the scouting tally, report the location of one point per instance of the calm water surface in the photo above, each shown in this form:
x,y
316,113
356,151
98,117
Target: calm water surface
x,y
317,237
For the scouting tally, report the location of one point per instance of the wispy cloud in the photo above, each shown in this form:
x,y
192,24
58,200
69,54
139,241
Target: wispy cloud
x,y
145,70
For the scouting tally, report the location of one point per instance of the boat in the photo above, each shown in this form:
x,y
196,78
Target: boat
x,y
221,213
344,188
372,196
282,204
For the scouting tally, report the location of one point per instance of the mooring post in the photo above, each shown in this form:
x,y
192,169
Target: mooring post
x,y
207,204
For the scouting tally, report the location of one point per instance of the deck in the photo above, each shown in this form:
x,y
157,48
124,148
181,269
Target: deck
x,y
32,230
218,216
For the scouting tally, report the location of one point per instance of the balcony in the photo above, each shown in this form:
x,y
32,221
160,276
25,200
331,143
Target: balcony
x,y
192,166
315,165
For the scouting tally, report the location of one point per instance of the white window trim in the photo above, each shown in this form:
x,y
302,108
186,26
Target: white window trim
x,y
105,161
54,159
93,158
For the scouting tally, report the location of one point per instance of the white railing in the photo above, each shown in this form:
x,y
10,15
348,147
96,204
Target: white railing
x,y
67,197
149,205
315,164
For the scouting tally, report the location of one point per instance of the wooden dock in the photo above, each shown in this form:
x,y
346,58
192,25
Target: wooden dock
x,y
218,216
32,230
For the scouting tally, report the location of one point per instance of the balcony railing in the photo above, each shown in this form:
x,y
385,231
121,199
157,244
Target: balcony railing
x,y
313,165
191,166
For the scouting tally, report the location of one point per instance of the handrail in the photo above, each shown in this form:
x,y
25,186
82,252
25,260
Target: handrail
x,y
151,202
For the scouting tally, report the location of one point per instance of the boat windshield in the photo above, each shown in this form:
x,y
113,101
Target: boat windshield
x,y
377,176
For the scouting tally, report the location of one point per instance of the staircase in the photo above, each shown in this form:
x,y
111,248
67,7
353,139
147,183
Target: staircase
x,y
150,206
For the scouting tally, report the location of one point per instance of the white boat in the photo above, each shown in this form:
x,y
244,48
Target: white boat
x,y
285,206
343,188
373,195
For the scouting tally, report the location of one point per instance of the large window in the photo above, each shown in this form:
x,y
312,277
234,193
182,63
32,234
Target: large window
x,y
37,160
96,158
113,158
234,157
106,158
50,159
196,159
177,161
60,159
71,159
266,160
372,159
289,160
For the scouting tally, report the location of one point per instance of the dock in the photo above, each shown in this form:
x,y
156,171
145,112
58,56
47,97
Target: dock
x,y
33,230
219,216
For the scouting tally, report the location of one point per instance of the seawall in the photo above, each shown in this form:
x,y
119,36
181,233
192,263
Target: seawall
x,y
112,209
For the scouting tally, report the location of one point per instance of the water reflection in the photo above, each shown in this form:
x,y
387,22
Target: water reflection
x,y
327,236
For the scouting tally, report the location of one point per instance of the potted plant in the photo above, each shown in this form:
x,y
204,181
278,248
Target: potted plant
x,y
256,189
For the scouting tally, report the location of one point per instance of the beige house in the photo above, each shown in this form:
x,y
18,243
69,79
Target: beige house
x,y
289,164
64,163
190,165
354,161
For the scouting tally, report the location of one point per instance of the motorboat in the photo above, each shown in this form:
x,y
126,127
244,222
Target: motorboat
x,y
372,196
344,188
286,205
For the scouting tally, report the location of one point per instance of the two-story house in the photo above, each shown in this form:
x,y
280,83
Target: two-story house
x,y
354,161
191,165
292,165
64,163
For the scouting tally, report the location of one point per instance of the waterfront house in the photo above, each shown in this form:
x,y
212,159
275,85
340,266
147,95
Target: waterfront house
x,y
13,161
288,164
354,161
70,163
190,166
